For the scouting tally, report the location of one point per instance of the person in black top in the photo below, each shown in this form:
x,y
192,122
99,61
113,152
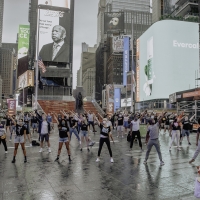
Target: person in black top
x,y
34,122
64,137
26,124
19,138
84,133
120,125
186,128
166,124
104,137
8,121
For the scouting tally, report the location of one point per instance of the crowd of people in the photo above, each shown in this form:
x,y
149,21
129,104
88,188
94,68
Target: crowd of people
x,y
69,123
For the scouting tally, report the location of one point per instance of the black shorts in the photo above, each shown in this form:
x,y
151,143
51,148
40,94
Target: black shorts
x,y
45,136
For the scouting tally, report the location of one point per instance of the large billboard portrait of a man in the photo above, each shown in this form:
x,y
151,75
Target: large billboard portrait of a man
x,y
54,35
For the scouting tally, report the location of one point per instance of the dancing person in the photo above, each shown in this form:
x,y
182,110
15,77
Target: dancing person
x,y
197,144
186,129
19,138
34,122
64,137
8,122
91,120
12,127
126,125
27,134
167,123
120,123
3,137
175,132
84,133
104,137
153,131
44,130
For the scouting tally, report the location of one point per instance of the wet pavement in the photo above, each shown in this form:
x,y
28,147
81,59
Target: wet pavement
x,y
127,178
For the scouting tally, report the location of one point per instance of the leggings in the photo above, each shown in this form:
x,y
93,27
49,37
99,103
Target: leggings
x,y
4,143
107,141
134,133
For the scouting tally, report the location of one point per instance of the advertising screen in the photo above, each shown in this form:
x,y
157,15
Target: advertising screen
x,y
56,3
54,34
167,57
26,79
113,22
23,40
118,43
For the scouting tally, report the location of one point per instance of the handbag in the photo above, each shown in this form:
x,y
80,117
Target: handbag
x,y
3,137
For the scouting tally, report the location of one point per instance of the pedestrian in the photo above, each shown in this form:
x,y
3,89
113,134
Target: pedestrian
x,y
19,138
91,120
120,123
64,137
84,133
12,127
3,137
26,124
34,122
104,137
126,124
153,131
197,144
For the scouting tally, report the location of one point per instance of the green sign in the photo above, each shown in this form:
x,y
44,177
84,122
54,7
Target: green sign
x,y
23,40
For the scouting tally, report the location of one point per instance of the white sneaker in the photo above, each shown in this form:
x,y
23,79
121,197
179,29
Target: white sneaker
x,y
10,140
6,152
179,149
41,150
97,160
49,150
162,163
30,145
111,160
145,162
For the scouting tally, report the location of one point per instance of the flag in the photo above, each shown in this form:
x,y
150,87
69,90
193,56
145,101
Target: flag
x,y
133,75
41,65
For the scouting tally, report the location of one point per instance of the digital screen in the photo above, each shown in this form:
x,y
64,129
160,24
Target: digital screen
x,y
166,60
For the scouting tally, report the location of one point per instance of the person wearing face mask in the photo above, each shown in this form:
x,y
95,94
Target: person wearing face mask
x,y
104,137
3,137
73,121
135,130
120,123
64,137
175,132
186,129
153,131
19,138
43,130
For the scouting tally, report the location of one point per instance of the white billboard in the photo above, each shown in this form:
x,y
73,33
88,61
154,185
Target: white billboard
x,y
167,58
56,3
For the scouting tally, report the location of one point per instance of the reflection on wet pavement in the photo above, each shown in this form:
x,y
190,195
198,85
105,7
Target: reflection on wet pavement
x,y
127,178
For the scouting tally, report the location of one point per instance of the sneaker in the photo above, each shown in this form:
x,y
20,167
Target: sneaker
x,y
179,149
189,143
25,161
13,161
56,159
170,148
6,152
97,160
30,145
88,149
81,149
10,140
49,150
162,163
41,150
111,160
145,162
191,161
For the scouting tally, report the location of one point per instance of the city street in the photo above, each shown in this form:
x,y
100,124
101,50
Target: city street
x,y
83,178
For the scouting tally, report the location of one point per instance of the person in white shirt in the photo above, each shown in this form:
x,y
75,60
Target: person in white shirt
x,y
91,120
135,130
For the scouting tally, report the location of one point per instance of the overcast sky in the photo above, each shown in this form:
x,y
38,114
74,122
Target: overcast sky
x,y
85,25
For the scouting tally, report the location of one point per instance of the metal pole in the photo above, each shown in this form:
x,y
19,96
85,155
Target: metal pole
x,y
36,59
195,108
132,99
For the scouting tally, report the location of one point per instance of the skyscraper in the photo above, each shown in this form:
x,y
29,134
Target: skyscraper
x,y
1,20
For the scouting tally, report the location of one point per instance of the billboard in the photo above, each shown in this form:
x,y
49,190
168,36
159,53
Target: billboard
x,y
126,59
167,58
56,3
54,34
117,99
23,40
109,99
118,43
11,106
26,79
113,22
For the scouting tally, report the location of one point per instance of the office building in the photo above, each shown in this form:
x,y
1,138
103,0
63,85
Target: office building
x,y
79,77
8,67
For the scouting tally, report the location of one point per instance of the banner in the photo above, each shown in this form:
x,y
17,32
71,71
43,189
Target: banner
x,y
54,34
11,106
126,59
109,99
56,3
117,98
23,40
113,22
118,43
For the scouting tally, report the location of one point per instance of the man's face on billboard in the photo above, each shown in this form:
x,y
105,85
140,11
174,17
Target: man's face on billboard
x,y
58,34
